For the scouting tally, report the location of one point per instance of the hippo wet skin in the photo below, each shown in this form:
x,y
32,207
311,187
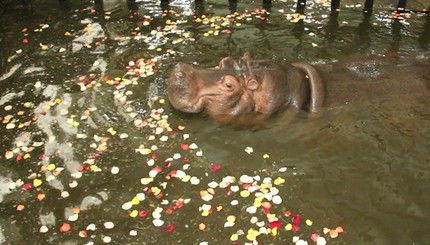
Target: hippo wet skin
x,y
257,89
243,86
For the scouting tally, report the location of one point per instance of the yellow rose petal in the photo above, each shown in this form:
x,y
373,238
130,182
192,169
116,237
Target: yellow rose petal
x,y
245,193
134,213
135,201
37,182
279,181
234,237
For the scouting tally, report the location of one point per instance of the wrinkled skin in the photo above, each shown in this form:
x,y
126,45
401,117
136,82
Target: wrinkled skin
x,y
244,87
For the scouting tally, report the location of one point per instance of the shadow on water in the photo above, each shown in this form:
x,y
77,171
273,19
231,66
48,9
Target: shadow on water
x,y
89,139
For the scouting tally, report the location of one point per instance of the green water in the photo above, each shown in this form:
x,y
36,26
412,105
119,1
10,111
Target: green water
x,y
363,166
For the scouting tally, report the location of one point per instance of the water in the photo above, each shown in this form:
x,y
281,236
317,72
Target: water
x,y
74,111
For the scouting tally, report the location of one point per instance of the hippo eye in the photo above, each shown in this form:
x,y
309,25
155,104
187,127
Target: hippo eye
x,y
228,84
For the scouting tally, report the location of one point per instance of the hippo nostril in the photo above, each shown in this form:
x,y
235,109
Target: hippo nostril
x,y
180,76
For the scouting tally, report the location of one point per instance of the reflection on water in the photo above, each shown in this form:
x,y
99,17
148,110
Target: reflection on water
x,y
90,141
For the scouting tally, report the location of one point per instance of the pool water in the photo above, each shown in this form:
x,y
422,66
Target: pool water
x,y
92,152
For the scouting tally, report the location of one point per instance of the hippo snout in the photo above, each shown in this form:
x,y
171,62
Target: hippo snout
x,y
183,90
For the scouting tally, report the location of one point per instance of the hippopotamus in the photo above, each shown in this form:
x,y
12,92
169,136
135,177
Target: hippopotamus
x,y
245,87
256,89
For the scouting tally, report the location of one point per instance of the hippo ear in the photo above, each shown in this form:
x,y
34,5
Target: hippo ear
x,y
226,63
252,84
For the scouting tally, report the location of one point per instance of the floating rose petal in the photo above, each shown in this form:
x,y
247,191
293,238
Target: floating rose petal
x,y
127,205
277,200
109,225
202,226
107,239
246,179
134,213
43,229
20,207
339,229
321,241
213,184
251,209
296,219
245,193
157,222
229,224
143,213
27,186
73,217
333,233
215,167
154,172
185,147
65,227
114,170
234,202
279,181
249,150
73,184
315,236
91,227
170,228
194,180
37,182
275,223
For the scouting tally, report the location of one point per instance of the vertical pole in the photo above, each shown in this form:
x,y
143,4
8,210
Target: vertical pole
x,y
232,5
267,5
401,6
335,5
368,6
301,5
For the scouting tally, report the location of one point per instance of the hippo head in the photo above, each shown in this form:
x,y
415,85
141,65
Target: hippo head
x,y
217,92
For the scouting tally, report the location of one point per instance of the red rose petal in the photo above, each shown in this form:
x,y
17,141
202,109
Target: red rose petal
x,y
215,167
185,147
315,236
27,186
287,213
143,213
65,227
296,219
274,224
170,228
296,228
